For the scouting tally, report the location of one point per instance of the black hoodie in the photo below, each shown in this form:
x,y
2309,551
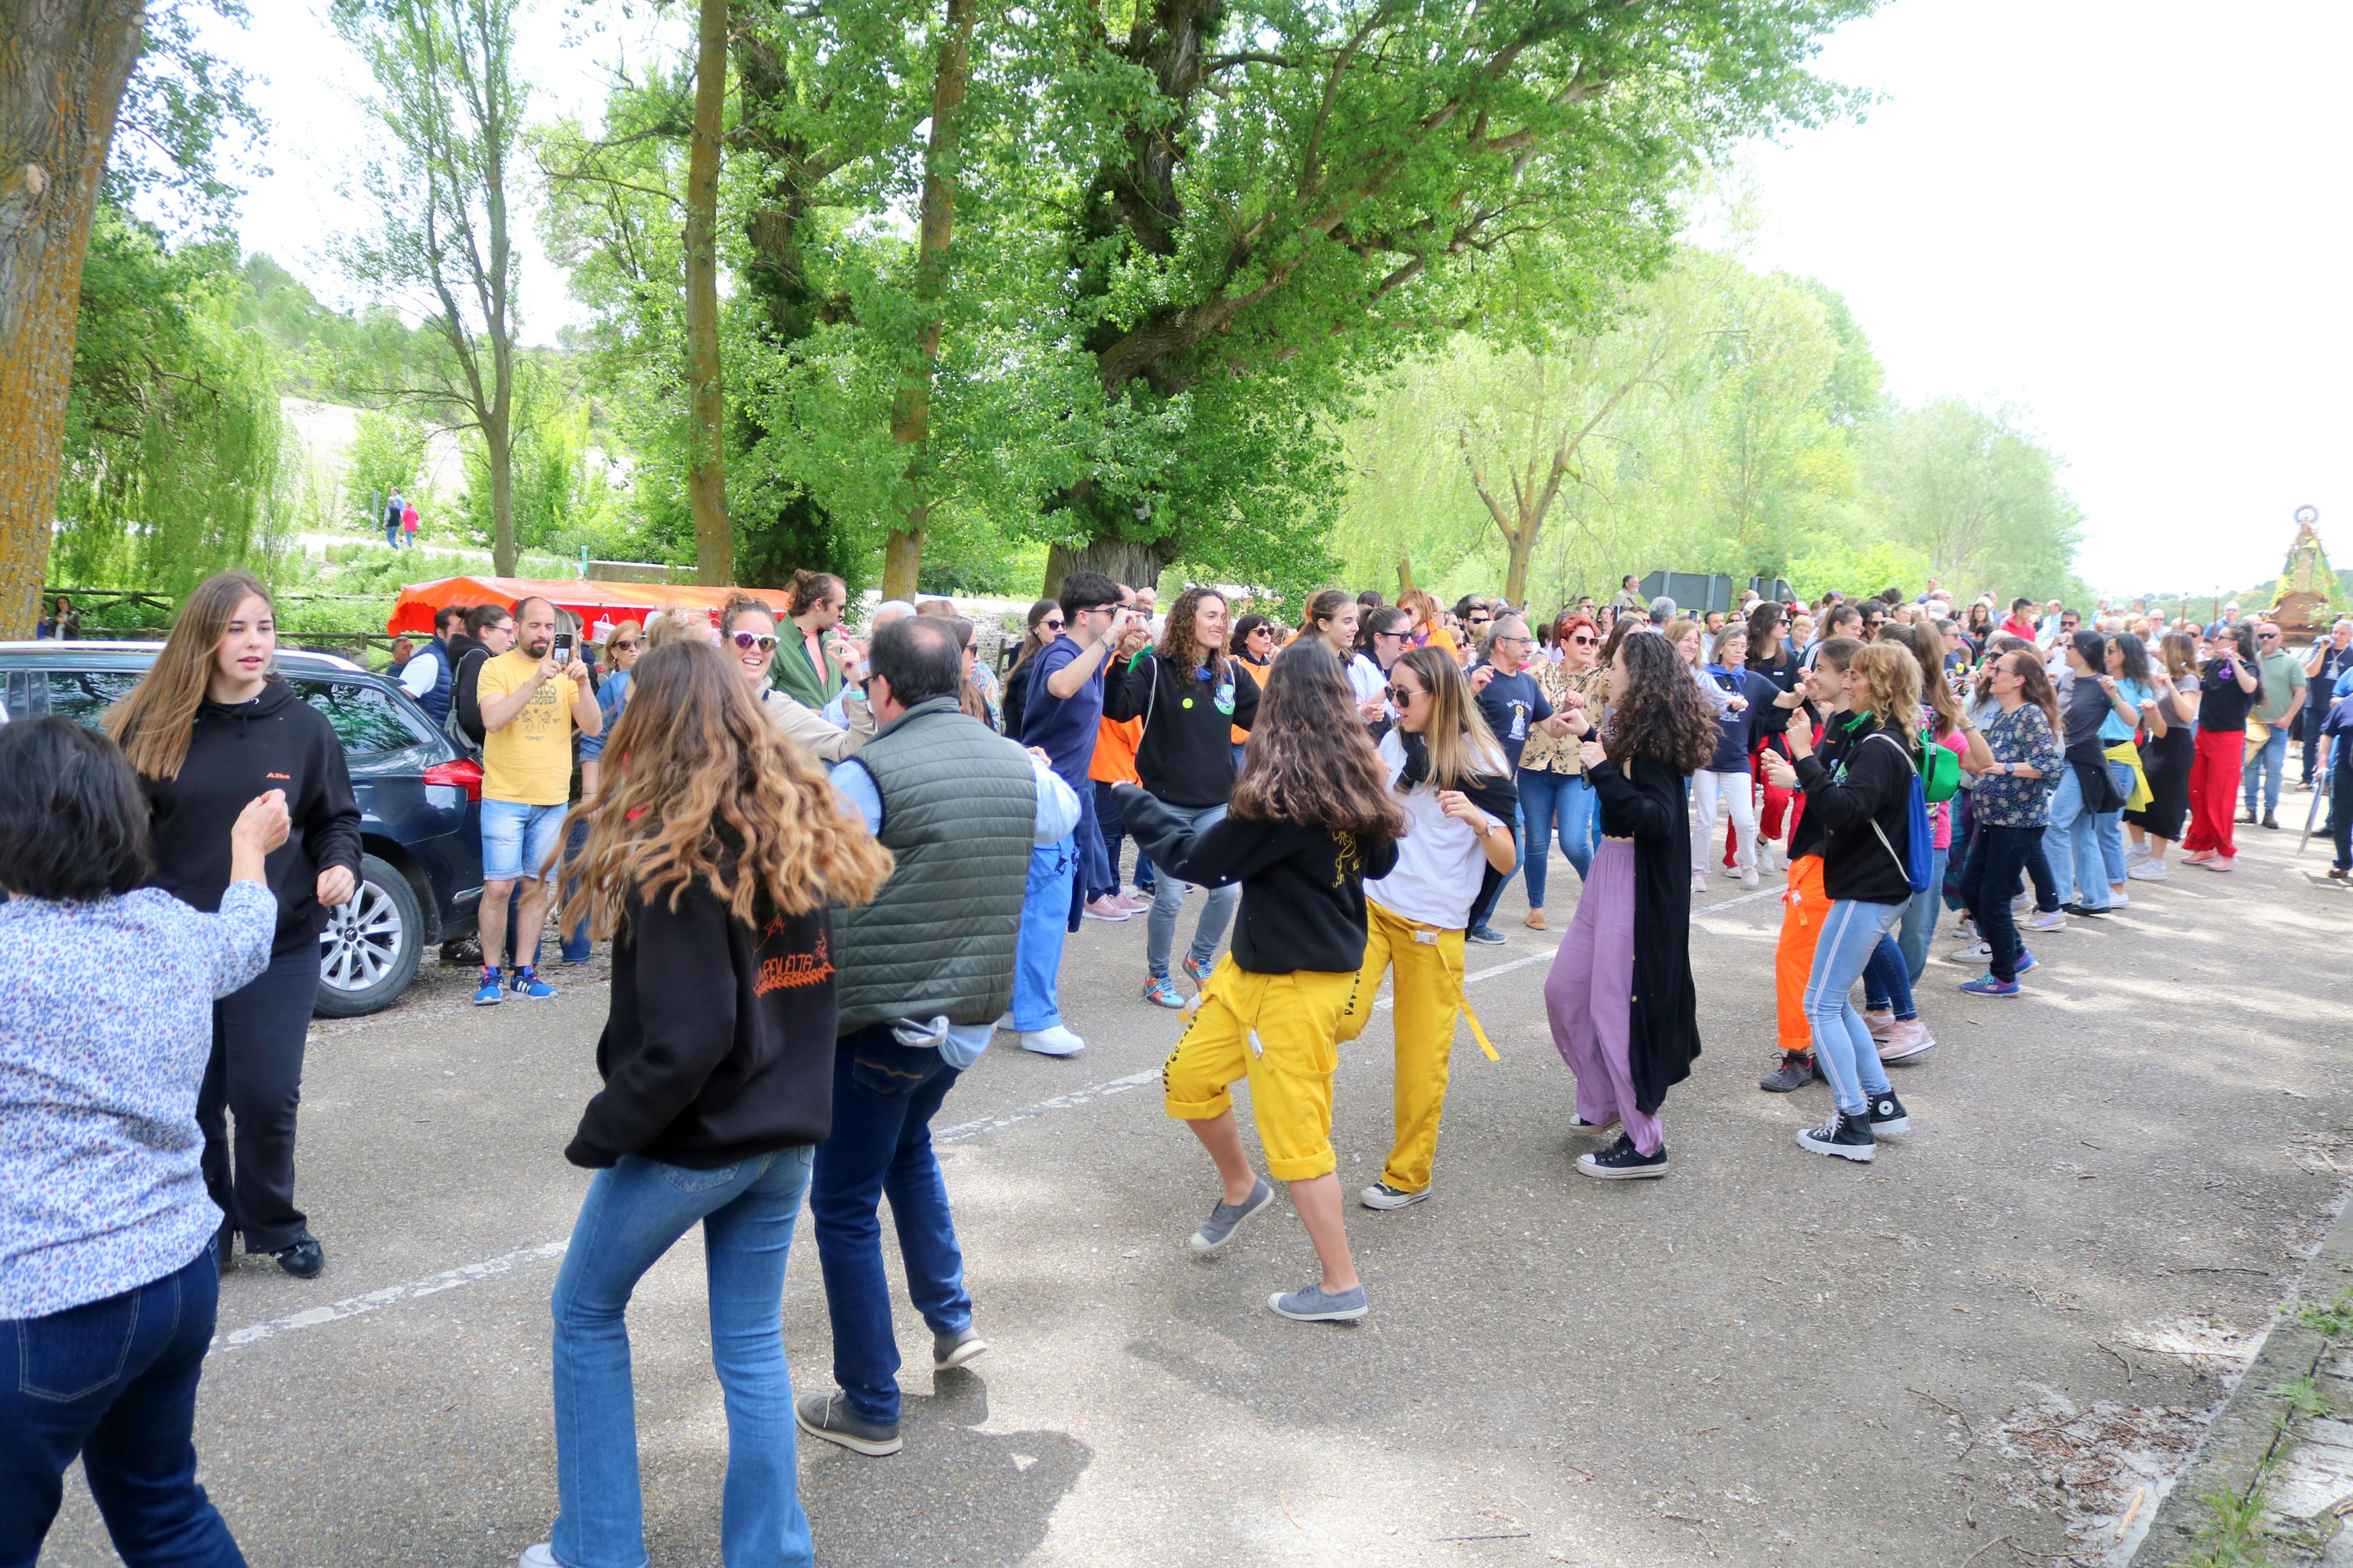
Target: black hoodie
x,y
1861,804
1185,755
719,1043
275,742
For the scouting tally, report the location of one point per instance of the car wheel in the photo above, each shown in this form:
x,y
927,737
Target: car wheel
x,y
369,951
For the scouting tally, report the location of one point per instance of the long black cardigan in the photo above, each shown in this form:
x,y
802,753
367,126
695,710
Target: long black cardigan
x,y
1649,808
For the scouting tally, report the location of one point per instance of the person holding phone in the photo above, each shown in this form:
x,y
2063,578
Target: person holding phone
x,y
530,703
2226,694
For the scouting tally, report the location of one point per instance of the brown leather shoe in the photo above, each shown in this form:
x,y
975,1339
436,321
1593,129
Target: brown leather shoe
x,y
1535,919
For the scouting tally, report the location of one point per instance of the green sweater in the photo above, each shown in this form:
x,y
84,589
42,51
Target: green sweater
x,y
813,684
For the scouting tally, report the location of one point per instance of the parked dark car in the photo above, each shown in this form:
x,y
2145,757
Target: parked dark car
x,y
420,804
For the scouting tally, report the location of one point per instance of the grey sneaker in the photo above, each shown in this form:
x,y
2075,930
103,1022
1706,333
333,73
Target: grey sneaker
x,y
1312,1305
1796,1071
1219,1228
830,1417
1381,1195
954,1350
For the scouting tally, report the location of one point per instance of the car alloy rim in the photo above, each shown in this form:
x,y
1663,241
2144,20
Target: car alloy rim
x,y
361,942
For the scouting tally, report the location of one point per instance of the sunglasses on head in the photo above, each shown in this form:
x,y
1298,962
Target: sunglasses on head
x,y
747,641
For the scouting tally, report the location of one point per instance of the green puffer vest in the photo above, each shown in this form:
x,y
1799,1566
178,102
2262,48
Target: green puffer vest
x,y
959,809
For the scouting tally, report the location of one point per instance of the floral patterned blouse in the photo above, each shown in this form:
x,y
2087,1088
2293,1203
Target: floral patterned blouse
x,y
2022,735
106,1024
1559,753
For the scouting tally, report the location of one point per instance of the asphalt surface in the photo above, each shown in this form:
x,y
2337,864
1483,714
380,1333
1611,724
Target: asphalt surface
x,y
1766,1358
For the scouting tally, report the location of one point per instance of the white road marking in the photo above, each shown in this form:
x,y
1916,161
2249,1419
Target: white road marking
x,y
489,1268
352,1306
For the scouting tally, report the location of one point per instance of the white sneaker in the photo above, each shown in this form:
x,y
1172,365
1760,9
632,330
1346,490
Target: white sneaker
x,y
2055,920
1748,878
1699,881
2135,852
1971,952
1006,1026
1056,1041
543,1556
2149,870
2119,898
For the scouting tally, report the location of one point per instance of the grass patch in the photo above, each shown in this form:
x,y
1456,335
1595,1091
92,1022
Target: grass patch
x,y
2333,1321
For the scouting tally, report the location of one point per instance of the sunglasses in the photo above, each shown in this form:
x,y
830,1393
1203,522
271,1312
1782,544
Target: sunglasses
x,y
1586,641
621,645
1401,697
747,641
1401,637
1054,625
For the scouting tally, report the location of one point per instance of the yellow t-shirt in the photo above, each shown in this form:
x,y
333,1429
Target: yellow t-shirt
x,y
530,760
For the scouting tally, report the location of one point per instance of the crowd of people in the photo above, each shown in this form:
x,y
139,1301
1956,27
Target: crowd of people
x,y
832,868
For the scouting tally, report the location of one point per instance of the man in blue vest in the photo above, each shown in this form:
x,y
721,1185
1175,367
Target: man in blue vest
x,y
427,675
923,973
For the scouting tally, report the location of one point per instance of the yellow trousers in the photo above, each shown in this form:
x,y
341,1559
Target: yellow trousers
x,y
1429,992
1281,1033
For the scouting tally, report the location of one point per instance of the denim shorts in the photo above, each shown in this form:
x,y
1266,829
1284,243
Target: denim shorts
x,y
518,839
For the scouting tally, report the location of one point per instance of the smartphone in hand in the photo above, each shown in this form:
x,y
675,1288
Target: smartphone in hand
x,y
562,653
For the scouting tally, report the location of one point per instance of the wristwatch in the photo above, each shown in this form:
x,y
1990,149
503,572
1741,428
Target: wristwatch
x,y
1494,823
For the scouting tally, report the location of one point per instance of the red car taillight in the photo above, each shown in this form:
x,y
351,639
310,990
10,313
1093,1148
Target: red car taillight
x,y
463,772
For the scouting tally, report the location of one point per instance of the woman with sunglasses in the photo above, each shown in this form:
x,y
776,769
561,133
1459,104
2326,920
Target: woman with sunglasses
x,y
1382,638
747,636
1555,793
1454,782
2227,695
1626,1044
1045,623
1253,640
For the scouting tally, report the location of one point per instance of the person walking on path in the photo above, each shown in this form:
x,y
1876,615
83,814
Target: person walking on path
x,y
108,1279
1626,1044
1555,794
1869,808
409,522
1512,700
1188,696
392,509
924,970
715,853
810,666
2010,804
2284,684
1061,716
2226,692
209,727
530,703
1454,785
2165,760
1311,818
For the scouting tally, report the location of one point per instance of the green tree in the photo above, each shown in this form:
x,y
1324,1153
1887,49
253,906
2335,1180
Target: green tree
x,y
388,454
1978,496
451,106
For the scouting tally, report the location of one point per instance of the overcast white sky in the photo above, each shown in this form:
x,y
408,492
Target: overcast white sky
x,y
2129,221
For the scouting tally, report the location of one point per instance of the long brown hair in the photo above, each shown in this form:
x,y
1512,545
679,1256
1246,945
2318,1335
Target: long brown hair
x,y
969,697
1928,647
1178,646
1309,759
1661,716
1891,678
2180,650
1322,606
1462,750
153,721
606,659
807,590
700,789
1031,646
2034,685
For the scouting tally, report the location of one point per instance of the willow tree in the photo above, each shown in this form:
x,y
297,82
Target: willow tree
x,y
1272,201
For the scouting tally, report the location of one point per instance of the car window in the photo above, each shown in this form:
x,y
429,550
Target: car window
x,y
85,695
364,717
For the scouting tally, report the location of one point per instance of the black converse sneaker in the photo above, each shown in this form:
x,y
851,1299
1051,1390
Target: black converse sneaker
x,y
1843,1137
1621,1162
1888,1115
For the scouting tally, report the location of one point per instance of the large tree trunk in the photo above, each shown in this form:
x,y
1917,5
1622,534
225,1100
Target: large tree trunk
x,y
706,484
63,64
1522,548
498,443
911,419
1137,562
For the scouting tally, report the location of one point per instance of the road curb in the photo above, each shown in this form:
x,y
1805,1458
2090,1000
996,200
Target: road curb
x,y
2249,1427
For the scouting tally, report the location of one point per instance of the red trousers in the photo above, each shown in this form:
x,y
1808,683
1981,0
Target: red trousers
x,y
2214,790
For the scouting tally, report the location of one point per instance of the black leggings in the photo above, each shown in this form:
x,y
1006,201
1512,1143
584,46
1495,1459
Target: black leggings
x,y
256,1075
2167,761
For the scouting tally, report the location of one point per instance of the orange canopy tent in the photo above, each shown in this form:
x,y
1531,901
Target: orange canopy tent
x,y
612,601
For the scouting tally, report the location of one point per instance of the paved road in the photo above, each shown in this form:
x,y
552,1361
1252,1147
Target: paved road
x,y
1766,1358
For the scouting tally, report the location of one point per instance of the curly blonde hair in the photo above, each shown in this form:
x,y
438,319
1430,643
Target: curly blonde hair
x,y
700,788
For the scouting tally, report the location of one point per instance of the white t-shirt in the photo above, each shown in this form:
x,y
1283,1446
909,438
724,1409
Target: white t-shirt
x,y
1439,861
1365,678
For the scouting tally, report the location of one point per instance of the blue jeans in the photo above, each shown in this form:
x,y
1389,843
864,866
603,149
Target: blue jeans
x,y
1920,918
1550,803
2072,842
1109,822
884,1097
1168,897
2268,762
1842,1046
635,1213
115,1381
1484,907
1887,979
519,840
1045,926
2109,826
1097,874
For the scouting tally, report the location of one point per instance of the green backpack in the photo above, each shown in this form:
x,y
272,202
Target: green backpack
x,y
1940,771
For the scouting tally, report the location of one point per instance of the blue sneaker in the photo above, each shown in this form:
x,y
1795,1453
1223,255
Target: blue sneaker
x,y
1197,972
1486,934
492,992
1161,992
527,982
2025,961
1987,986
